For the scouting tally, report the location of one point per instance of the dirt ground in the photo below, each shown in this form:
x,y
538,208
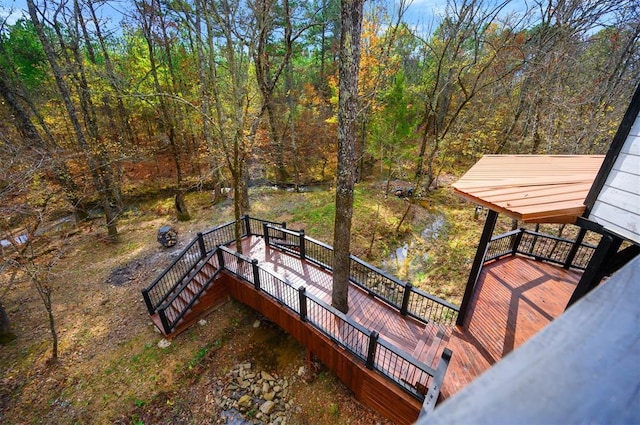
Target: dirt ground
x,y
110,367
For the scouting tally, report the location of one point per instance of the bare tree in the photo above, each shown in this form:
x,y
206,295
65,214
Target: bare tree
x,y
24,200
460,59
96,157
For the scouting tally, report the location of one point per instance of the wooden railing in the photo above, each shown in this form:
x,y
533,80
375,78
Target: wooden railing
x,y
398,294
366,345
540,246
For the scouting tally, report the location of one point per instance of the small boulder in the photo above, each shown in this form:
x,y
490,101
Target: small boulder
x,y
267,407
245,401
269,396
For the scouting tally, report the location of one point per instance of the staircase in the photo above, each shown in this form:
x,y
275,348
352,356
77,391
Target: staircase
x,y
193,299
187,290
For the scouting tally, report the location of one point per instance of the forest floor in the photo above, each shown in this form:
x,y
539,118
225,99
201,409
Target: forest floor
x,y
110,367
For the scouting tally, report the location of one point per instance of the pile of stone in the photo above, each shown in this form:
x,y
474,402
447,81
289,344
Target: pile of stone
x,y
260,397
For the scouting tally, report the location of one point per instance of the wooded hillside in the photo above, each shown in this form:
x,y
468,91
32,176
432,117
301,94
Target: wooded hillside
x,y
178,95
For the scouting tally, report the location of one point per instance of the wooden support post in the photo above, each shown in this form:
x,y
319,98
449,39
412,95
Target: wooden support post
x,y
574,248
302,296
303,254
247,225
203,248
371,352
405,298
256,274
265,230
594,273
489,225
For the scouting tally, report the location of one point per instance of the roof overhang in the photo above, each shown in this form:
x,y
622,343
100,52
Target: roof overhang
x,y
531,188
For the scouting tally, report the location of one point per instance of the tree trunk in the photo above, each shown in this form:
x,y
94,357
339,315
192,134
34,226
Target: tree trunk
x,y
6,336
351,14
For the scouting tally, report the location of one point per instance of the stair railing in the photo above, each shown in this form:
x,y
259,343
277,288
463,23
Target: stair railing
x,y
171,312
182,267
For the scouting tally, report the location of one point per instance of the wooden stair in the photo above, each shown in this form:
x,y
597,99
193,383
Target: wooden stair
x,y
210,299
429,348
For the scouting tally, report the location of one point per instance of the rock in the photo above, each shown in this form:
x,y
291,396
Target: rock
x,y
202,322
277,388
267,407
245,365
269,396
301,371
256,324
245,401
163,343
266,376
265,387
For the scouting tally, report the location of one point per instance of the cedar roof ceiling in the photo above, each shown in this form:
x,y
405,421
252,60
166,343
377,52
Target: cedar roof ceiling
x,y
531,188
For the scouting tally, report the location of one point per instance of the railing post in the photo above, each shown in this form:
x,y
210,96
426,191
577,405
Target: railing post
x,y
303,254
431,398
203,248
516,241
147,300
574,248
164,321
371,352
265,229
220,258
302,296
256,274
405,298
247,225
534,241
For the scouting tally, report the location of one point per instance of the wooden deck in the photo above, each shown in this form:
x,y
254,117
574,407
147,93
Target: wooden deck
x,y
424,342
514,298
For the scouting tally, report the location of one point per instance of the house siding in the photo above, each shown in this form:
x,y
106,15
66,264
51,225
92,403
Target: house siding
x,y
617,207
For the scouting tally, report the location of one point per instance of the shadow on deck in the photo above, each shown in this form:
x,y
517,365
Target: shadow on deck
x,y
515,298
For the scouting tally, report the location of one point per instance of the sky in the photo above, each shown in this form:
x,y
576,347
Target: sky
x,y
423,15
15,9
420,12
